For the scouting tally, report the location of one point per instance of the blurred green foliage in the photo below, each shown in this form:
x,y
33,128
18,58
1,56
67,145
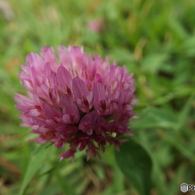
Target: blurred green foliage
x,y
155,40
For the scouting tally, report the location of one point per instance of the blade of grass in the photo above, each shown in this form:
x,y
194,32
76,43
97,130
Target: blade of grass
x,y
34,163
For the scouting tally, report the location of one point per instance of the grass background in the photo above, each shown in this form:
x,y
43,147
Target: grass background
x,y
155,40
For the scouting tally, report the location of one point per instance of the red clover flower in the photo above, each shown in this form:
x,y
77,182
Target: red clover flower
x,y
84,101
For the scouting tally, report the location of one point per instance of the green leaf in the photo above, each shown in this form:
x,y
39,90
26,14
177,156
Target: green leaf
x,y
158,173
154,117
65,185
34,164
177,180
153,62
50,189
136,165
184,114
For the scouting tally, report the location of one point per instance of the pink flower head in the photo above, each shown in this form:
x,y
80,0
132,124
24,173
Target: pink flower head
x,y
83,101
95,25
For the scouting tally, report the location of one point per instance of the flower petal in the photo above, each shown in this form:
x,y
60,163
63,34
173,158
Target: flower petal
x,y
48,55
49,110
63,76
67,154
69,109
79,88
88,123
